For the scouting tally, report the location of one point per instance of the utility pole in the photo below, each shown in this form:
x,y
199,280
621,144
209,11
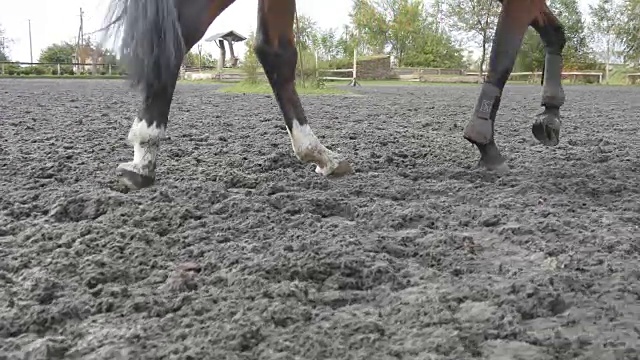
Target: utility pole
x,y
80,40
30,43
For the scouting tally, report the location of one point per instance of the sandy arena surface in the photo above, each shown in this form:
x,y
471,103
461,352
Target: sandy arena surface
x,y
242,252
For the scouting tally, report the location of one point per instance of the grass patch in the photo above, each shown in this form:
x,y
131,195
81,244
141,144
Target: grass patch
x,y
265,88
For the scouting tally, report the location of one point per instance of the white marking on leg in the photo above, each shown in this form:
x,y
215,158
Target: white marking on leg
x,y
145,140
307,147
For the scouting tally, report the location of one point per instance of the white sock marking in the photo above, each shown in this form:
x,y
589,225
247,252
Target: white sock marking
x,y
307,147
145,141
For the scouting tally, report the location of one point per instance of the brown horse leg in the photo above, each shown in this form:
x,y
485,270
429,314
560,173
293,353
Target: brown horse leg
x,y
276,51
546,128
515,17
157,34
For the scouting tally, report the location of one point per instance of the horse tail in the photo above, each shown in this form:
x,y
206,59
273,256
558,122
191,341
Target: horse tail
x,y
152,46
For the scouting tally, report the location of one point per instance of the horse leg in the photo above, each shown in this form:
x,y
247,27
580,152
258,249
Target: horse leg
x,y
156,36
514,20
547,126
276,51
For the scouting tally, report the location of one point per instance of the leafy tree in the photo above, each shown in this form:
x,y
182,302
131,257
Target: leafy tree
x,y
606,17
61,53
435,50
251,64
306,32
4,45
405,29
629,31
478,20
346,43
205,59
370,27
577,53
326,44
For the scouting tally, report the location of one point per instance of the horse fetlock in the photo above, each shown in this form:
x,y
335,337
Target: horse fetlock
x,y
480,128
145,139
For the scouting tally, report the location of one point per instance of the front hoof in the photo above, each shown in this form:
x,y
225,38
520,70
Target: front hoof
x,y
343,168
132,179
546,128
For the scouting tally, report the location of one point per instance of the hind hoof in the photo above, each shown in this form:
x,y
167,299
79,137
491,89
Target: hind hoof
x,y
546,129
499,167
132,179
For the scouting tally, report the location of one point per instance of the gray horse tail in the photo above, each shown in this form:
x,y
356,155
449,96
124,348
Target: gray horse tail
x,y
152,45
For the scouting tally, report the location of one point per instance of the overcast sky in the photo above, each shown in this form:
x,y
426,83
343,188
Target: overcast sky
x,y
54,21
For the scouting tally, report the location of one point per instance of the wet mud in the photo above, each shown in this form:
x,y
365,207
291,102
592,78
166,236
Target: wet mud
x,y
242,252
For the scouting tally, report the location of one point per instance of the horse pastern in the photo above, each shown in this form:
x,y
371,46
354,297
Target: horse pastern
x,y
478,131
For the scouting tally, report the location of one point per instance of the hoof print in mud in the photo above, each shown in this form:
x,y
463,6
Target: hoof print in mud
x,y
183,278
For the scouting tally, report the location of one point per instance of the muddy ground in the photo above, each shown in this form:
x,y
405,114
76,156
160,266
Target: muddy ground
x,y
242,252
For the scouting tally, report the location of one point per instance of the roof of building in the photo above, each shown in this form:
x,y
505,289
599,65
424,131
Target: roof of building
x,y
229,35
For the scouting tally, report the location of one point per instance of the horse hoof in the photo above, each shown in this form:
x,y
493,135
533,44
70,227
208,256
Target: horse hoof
x,y
546,129
343,168
133,180
498,166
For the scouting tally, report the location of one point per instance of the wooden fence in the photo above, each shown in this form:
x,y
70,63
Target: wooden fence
x,y
58,69
196,73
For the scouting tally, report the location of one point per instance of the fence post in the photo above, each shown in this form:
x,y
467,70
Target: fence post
x,y
2,68
109,69
58,69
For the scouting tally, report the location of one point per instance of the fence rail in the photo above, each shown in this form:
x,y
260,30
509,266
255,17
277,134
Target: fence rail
x,y
402,73
58,69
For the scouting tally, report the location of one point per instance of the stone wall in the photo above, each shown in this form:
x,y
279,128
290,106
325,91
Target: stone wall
x,y
374,68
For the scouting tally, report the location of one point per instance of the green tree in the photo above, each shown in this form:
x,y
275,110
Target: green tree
x,y
346,43
306,33
405,29
205,59
478,20
61,53
370,27
327,44
4,45
435,50
577,53
251,64
629,31
406,24
606,17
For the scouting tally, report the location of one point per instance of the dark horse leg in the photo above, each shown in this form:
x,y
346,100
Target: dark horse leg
x,y
156,36
546,128
276,51
515,17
